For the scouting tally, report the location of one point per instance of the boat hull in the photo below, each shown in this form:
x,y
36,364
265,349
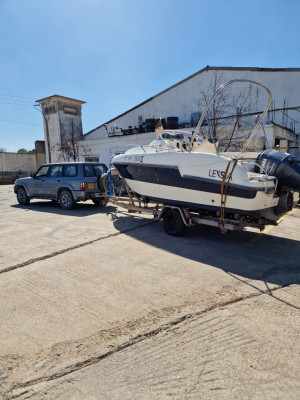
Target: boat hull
x,y
168,185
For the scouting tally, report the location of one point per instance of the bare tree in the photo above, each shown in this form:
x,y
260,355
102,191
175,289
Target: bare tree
x,y
227,113
71,148
241,106
220,104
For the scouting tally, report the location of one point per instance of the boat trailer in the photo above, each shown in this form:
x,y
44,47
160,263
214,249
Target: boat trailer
x,y
176,218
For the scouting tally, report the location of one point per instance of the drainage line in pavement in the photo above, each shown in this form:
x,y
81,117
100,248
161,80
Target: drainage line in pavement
x,y
77,246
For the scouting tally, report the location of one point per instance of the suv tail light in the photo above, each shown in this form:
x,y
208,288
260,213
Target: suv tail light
x,y
82,186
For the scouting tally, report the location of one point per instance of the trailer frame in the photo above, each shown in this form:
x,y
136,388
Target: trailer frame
x,y
169,213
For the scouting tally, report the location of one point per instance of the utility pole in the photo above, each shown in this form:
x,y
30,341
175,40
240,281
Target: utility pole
x,y
40,109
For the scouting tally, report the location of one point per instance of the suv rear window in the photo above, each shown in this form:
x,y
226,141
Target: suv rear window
x,y
70,170
94,170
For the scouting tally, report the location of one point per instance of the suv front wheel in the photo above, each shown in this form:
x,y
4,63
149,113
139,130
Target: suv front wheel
x,y
22,197
66,200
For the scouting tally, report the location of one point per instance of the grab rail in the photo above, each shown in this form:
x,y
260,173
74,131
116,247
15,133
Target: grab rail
x,y
213,98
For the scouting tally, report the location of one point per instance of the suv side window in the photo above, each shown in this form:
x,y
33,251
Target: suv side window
x,y
100,169
70,170
42,171
94,169
89,170
55,171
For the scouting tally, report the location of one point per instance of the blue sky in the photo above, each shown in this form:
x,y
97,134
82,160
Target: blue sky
x,y
115,54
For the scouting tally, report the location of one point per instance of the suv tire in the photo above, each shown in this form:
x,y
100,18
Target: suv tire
x,y
66,200
103,182
22,197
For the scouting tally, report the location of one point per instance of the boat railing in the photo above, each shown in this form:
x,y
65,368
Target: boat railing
x,y
222,87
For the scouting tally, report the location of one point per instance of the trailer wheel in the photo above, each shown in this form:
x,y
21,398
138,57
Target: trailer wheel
x,y
173,223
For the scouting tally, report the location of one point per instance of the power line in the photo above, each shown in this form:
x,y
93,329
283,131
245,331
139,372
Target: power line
x,y
14,103
18,97
17,122
16,100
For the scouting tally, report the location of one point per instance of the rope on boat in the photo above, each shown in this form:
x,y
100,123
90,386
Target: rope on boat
x,y
224,190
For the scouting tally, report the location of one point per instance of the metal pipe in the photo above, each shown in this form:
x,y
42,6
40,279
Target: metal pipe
x,y
203,115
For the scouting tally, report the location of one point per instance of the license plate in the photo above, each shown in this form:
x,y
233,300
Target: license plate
x,y
91,185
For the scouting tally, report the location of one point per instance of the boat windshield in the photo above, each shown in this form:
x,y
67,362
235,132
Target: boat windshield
x,y
174,140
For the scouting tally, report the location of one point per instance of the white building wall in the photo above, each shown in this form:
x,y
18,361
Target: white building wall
x,y
102,148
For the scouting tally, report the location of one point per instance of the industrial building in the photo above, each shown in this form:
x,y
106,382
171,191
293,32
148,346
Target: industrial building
x,y
179,106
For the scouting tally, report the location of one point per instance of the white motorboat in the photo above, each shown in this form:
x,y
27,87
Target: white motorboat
x,y
180,169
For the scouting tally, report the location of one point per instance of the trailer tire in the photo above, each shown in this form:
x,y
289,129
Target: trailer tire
x,y
173,223
98,201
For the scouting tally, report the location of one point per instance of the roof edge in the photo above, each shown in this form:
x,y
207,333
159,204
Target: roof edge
x,y
207,68
58,96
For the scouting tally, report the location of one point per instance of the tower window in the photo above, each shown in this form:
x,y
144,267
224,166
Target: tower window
x,y
49,109
70,110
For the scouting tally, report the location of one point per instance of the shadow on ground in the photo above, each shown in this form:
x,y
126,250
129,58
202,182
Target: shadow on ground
x,y
80,209
248,254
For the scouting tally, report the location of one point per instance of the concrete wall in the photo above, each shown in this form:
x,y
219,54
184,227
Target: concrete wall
x,y
14,165
40,152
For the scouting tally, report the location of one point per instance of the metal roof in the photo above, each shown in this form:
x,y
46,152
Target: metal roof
x,y
207,68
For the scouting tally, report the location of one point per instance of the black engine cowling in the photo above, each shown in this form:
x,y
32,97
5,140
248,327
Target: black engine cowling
x,y
287,171
281,165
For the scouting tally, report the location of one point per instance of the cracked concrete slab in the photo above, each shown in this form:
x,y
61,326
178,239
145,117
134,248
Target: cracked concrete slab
x,y
42,228
230,352
110,281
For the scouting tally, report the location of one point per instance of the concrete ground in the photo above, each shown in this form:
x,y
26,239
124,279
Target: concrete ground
x,y
98,303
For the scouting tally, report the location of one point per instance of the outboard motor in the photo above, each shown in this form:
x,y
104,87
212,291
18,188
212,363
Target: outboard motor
x,y
287,171
281,165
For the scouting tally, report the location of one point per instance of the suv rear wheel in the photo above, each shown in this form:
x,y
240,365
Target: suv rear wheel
x,y
66,200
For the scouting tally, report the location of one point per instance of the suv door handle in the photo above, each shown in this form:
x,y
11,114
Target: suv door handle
x,y
58,180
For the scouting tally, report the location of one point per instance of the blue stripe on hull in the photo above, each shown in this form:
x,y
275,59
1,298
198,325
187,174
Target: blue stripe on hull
x,y
170,176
